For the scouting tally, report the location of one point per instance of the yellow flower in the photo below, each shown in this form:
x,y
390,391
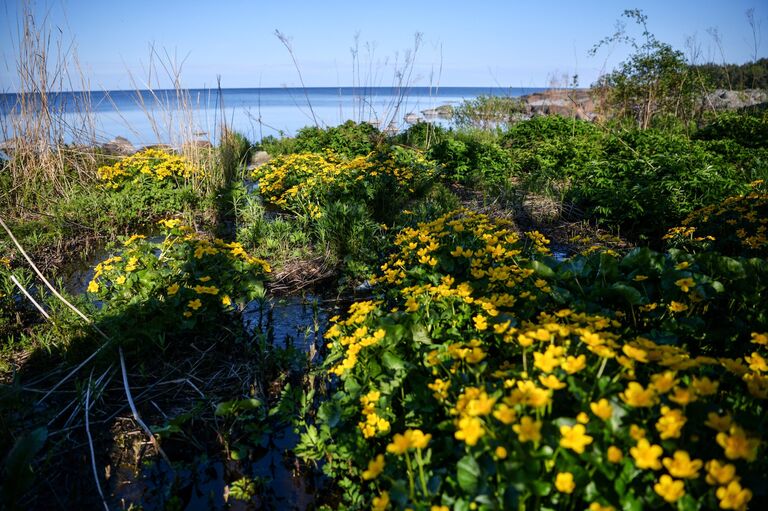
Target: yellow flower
x,y
640,278
381,502
574,438
375,468
551,381
636,396
646,455
528,430
573,365
418,439
582,418
505,414
670,423
677,306
187,314
564,482
210,290
614,454
195,304
717,422
226,301
719,473
756,362
685,284
682,396
636,432
669,489
760,338
602,409
480,322
120,280
596,506
173,289
737,445
682,466
704,386
733,496
470,430
93,286
501,452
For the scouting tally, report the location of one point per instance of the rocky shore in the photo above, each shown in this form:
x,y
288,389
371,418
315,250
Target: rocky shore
x,y
582,104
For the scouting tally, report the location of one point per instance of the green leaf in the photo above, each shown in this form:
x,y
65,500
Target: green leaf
x,y
542,269
629,293
330,413
392,361
468,474
239,405
420,334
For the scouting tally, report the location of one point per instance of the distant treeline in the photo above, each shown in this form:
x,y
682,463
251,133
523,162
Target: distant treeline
x,y
752,75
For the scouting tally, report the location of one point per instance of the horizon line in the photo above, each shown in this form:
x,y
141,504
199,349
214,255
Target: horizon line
x,y
333,87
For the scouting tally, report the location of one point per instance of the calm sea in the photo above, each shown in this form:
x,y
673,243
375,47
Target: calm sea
x,y
148,117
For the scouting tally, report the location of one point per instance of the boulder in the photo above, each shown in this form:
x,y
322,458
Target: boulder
x,y
119,146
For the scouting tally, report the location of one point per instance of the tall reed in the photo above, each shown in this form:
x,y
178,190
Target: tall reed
x,y
47,131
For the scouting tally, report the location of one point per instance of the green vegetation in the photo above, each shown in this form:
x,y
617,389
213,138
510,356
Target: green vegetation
x,y
454,350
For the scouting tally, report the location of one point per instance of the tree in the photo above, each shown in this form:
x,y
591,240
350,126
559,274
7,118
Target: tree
x,y
654,80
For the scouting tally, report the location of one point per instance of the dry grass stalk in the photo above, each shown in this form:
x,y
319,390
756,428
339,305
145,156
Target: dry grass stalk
x,y
47,126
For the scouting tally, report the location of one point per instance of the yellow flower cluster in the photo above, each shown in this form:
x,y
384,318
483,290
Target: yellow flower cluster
x,y
298,181
359,338
372,423
741,220
155,163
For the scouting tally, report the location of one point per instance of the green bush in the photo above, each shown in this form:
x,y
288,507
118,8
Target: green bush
x,y
349,139
649,180
472,159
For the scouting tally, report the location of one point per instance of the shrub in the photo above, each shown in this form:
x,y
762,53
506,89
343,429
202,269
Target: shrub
x,y
470,159
476,382
736,226
649,180
183,283
349,139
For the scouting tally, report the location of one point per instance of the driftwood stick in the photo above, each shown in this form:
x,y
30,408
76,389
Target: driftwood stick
x,y
29,297
135,412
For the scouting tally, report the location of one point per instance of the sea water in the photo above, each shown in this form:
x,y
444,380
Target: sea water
x,y
169,117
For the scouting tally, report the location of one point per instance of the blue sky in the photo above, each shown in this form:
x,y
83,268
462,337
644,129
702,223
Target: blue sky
x,y
481,43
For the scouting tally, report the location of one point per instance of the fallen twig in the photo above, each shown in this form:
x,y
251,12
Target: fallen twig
x,y
135,412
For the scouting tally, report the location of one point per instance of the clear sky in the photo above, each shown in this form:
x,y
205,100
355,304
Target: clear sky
x,y
504,43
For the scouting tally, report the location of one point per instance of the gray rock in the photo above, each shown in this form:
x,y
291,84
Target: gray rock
x,y
119,146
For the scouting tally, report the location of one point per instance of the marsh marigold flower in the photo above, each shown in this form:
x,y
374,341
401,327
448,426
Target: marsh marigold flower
x,y
602,409
736,444
669,489
733,496
375,467
614,454
637,396
646,455
677,306
528,430
564,482
671,423
381,502
719,473
470,430
574,438
681,465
